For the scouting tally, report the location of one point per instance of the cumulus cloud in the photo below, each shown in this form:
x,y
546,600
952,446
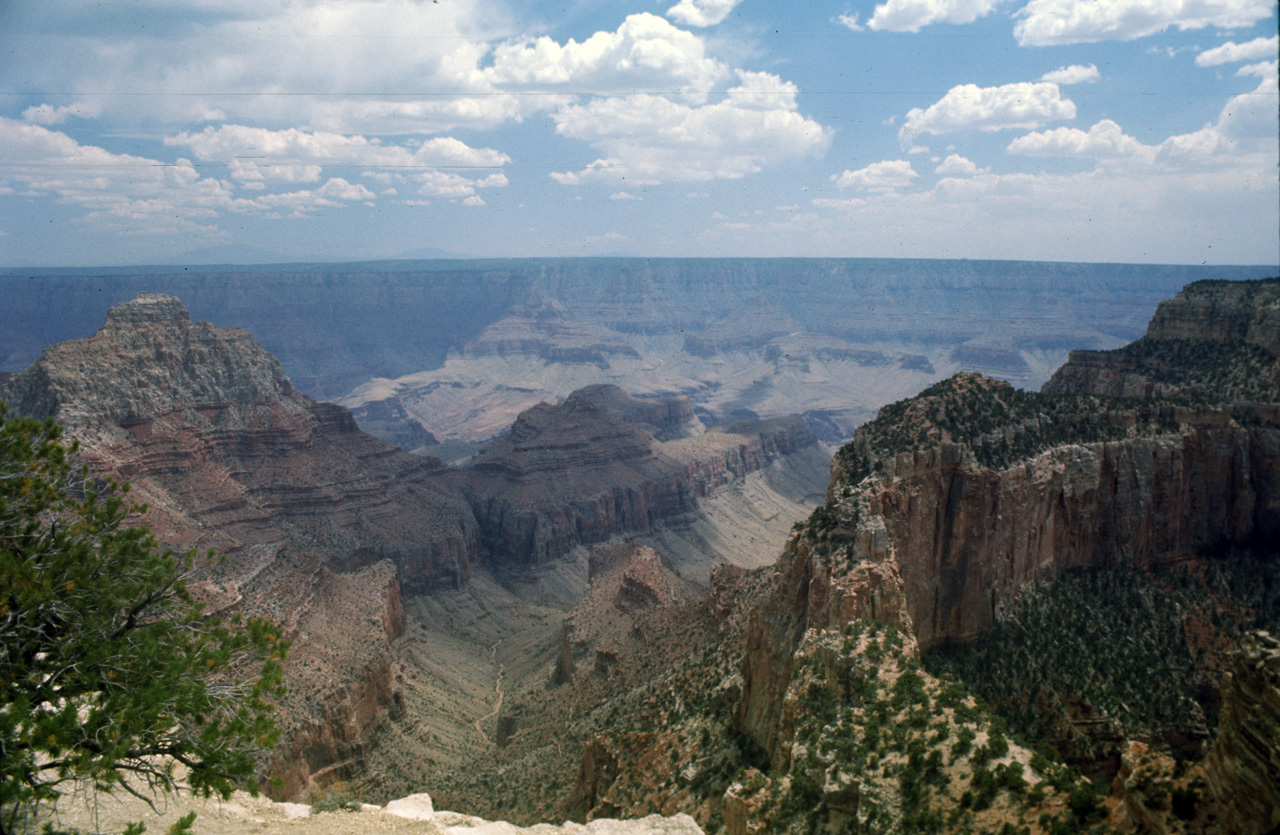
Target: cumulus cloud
x,y
624,195
1245,128
1241,138
1230,52
1051,22
957,166
1074,74
879,177
123,192
913,15
701,12
645,52
850,21
134,194
648,139
965,107
1102,141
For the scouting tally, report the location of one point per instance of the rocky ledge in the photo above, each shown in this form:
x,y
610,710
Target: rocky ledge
x,y
412,815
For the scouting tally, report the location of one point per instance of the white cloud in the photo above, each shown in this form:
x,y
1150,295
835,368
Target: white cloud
x,y
1262,69
47,114
1231,52
298,147
1052,22
339,189
624,195
878,177
474,200
1245,130
701,12
256,156
1074,74
646,52
968,106
850,21
649,139
912,15
132,194
1103,140
957,166
228,62
121,192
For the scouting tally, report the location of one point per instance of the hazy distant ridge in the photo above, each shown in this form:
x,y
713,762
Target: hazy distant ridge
x,y
335,325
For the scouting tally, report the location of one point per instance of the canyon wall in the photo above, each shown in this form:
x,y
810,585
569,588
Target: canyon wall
x,y
951,503
967,539
574,473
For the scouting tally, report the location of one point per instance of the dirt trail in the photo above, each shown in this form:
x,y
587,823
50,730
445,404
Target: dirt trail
x,y
497,689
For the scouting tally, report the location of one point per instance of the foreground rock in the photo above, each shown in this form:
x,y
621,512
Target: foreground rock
x,y
243,814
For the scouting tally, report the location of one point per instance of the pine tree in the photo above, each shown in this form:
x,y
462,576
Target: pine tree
x,y
111,675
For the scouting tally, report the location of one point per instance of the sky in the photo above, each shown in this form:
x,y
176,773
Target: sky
x,y
208,131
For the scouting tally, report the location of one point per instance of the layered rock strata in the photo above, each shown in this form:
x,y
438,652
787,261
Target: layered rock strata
x,y
575,474
1243,768
324,527
312,517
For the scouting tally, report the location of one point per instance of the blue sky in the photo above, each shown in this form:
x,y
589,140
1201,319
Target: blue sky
x,y
155,131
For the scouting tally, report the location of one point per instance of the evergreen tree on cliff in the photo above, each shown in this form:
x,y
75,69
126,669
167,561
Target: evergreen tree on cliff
x,y
110,673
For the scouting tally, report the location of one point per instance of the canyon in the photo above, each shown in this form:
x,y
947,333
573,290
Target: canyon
x,y
329,531
604,608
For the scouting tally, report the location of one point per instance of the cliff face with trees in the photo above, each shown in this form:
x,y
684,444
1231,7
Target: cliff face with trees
x,y
949,505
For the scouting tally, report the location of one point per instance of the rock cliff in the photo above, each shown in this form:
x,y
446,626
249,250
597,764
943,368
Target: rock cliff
x,y
579,472
1243,769
947,506
1216,338
935,538
204,424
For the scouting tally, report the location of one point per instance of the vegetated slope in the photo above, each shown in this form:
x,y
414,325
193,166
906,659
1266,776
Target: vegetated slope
x,y
328,530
